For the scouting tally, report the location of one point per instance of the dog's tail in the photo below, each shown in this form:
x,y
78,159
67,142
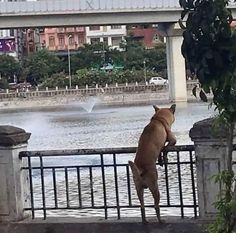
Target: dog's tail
x,y
136,172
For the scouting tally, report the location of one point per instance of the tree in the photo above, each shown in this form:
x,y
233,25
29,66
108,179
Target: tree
x,y
9,67
156,59
134,54
209,47
40,66
89,56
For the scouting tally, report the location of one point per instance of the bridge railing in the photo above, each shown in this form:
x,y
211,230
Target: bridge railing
x,y
98,182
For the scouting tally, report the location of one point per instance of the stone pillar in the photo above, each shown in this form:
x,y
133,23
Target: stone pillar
x,y
175,62
14,191
210,151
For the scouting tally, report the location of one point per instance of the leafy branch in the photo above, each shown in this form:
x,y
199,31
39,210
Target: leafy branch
x,y
209,48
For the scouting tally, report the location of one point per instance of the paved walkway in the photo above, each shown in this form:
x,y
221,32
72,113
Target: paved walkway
x,y
61,225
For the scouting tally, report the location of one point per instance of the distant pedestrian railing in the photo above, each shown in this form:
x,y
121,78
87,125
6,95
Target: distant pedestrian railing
x,y
116,89
98,182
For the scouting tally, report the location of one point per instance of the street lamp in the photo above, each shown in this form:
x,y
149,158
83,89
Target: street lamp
x,y
144,69
69,68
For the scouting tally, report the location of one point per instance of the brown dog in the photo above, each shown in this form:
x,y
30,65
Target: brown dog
x,y
151,143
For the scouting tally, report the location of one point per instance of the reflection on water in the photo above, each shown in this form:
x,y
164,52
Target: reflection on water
x,y
71,128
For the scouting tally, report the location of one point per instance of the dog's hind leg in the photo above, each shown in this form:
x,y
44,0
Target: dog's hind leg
x,y
151,182
138,181
140,191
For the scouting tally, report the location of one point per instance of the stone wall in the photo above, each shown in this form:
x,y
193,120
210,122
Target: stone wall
x,y
103,99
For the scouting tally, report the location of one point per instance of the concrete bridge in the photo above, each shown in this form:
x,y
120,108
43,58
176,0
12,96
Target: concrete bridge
x,y
53,13
56,13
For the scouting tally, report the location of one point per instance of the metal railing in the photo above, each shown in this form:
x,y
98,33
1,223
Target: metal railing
x,y
87,91
98,182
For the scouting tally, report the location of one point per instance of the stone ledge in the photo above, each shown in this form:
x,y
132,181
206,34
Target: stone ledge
x,y
11,135
92,225
203,130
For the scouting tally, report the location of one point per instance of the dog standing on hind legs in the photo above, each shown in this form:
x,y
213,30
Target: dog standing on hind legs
x,y
151,142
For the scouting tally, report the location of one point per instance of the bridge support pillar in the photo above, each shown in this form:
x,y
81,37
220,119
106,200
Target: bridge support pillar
x,y
175,65
210,152
14,190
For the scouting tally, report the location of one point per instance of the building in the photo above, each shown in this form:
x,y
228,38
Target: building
x,y
147,34
63,38
11,40
31,41
110,35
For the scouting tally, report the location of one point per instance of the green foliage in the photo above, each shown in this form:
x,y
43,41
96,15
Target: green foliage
x,y
209,48
134,53
9,67
3,83
56,80
131,57
156,59
226,204
92,77
41,65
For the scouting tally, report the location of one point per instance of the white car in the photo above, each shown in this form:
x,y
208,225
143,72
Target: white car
x,y
158,81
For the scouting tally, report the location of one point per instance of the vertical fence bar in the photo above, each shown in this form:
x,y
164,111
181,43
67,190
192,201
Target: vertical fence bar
x,y
116,186
31,187
128,185
67,188
54,186
79,186
167,180
104,186
91,185
43,187
180,185
193,184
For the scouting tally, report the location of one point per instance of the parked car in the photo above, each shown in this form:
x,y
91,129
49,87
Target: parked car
x,y
158,81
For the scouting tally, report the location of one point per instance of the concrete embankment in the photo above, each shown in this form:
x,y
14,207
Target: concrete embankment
x,y
102,99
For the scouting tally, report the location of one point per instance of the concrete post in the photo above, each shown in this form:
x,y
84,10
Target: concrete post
x,y
210,151
14,191
175,62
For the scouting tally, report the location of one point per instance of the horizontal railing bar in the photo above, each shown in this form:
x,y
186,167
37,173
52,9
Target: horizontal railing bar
x,y
111,207
111,151
98,166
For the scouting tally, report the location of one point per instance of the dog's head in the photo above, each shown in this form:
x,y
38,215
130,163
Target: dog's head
x,y
165,113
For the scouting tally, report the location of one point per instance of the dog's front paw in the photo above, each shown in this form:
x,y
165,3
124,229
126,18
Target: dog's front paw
x,y
160,161
165,158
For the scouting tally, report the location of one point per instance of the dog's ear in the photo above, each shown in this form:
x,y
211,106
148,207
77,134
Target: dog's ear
x,y
156,108
172,108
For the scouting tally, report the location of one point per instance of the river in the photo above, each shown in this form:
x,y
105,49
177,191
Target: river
x,y
72,127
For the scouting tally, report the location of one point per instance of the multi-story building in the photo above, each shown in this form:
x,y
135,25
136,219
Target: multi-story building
x,y
63,38
110,35
147,34
31,41
11,40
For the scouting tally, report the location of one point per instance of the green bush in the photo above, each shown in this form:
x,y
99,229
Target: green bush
x,y
56,80
91,77
4,84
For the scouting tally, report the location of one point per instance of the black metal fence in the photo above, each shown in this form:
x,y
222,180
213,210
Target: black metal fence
x,y
98,182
